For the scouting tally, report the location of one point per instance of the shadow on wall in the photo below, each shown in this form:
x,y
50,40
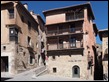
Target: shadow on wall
x,y
24,65
98,68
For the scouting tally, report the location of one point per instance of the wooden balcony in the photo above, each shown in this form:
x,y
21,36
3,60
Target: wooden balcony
x,y
65,49
64,32
12,20
64,46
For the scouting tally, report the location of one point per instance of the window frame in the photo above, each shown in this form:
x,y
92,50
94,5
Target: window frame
x,y
11,13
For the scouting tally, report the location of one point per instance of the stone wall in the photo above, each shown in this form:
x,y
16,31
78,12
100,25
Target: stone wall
x,y
64,65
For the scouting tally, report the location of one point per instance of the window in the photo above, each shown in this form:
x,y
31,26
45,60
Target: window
x,y
72,42
4,47
53,57
13,34
32,58
13,31
4,64
16,31
29,25
74,15
37,45
54,70
60,29
29,40
69,16
79,15
72,28
11,13
60,43
76,71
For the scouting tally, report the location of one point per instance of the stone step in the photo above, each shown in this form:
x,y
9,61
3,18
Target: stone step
x,y
32,71
42,72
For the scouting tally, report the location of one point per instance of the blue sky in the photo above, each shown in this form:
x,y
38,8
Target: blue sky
x,y
100,10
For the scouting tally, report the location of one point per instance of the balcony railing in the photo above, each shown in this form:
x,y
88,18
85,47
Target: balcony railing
x,y
64,31
65,46
74,17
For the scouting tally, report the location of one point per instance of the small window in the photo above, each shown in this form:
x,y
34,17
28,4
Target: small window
x,y
11,10
72,42
72,28
88,52
53,57
54,70
4,47
29,25
13,31
11,13
69,16
37,45
29,39
31,59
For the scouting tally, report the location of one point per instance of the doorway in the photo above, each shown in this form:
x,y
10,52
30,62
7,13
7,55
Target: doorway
x,y
60,44
76,71
4,64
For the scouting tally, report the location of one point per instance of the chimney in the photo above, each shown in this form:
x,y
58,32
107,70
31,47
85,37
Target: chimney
x,y
32,12
26,5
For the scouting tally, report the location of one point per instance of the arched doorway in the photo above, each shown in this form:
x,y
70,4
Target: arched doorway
x,y
76,71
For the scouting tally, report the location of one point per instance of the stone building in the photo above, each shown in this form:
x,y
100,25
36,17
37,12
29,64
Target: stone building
x,y
19,38
70,33
41,38
103,34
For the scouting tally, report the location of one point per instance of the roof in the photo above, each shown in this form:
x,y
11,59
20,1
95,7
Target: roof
x,y
101,32
41,18
23,8
5,2
88,5
27,12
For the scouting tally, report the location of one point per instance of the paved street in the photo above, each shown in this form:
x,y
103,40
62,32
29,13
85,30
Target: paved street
x,y
30,76
46,77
